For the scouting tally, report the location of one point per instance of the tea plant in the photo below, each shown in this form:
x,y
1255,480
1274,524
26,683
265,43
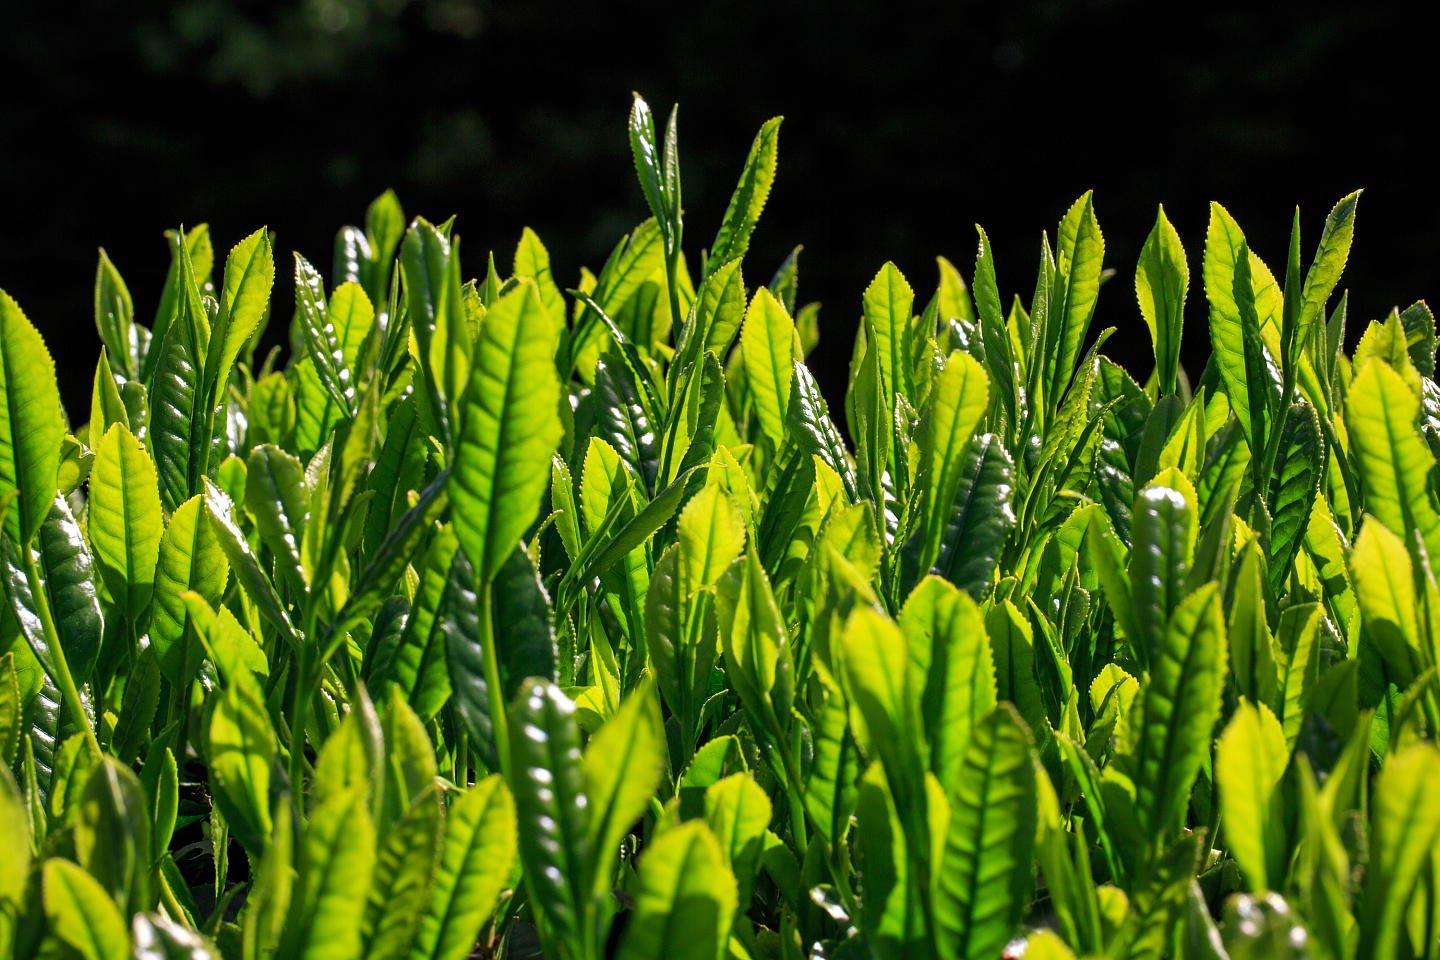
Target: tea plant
x,y
508,619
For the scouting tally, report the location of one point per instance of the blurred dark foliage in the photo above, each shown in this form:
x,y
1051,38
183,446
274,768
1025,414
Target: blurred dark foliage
x,y
904,127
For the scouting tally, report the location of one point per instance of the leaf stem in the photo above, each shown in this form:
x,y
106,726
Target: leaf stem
x,y
298,712
64,679
499,724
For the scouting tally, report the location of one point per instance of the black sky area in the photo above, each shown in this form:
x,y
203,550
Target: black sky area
x,y
905,126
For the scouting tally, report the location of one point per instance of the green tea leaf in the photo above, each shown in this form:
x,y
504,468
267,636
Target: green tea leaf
x,y
240,750
31,424
115,317
957,404
946,633
443,614
1252,650
980,519
430,263
1161,281
768,351
1403,824
277,496
1178,711
337,859
82,915
269,901
533,260
524,625
257,585
125,519
1391,460
405,868
1330,257
244,306
553,810
70,581
888,312
711,533
15,836
685,898
749,197
173,402
476,863
1164,542
1081,249
1293,487
112,833
1250,759
892,915
190,560
888,695
511,427
738,812
1234,323
1385,593
985,878
623,764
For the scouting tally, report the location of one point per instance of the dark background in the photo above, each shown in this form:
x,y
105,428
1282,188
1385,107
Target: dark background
x,y
904,126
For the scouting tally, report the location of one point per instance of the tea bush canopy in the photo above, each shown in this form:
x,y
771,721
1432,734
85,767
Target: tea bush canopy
x,y
513,618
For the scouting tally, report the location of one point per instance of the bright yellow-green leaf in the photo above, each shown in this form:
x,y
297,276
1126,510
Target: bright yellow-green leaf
x,y
1392,460
605,479
190,559
533,260
511,427
1161,281
888,312
337,857
1235,323
82,914
1080,249
1385,592
240,752
15,840
985,879
769,349
1404,823
476,862
1250,759
623,764
125,519
226,643
749,197
685,898
951,650
711,533
1179,708
957,403
739,812
244,304
31,425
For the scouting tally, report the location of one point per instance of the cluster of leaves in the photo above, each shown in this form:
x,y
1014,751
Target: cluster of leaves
x,y
506,619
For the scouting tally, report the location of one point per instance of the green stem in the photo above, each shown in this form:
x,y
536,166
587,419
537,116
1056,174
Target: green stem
x,y
672,273
183,694
498,721
300,708
460,767
169,900
63,679
1352,492
793,800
